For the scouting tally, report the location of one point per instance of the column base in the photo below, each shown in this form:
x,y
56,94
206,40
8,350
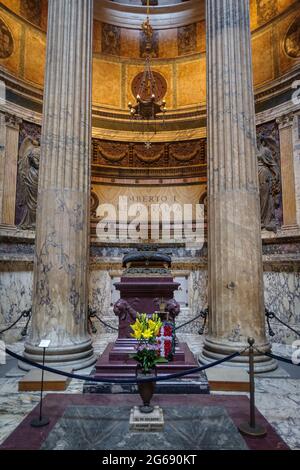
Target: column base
x,y
214,350
78,356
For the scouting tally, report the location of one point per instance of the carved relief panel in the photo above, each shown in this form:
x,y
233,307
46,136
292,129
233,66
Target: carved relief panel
x,y
135,155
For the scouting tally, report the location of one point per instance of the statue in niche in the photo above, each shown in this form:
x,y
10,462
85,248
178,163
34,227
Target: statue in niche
x,y
29,161
269,182
292,40
6,41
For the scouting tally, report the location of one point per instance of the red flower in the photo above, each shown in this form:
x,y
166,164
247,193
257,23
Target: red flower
x,y
168,330
168,347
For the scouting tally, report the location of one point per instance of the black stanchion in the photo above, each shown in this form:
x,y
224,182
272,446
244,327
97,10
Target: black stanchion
x,y
41,420
251,428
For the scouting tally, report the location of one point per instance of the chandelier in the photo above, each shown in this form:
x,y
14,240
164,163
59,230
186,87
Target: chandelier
x,y
147,106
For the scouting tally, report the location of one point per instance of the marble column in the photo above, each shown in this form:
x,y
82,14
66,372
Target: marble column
x,y
286,129
60,289
9,145
236,303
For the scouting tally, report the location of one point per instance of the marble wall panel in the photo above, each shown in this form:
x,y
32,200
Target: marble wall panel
x,y
282,296
15,297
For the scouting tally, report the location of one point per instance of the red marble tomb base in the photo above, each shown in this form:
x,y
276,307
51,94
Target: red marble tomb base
x,y
115,361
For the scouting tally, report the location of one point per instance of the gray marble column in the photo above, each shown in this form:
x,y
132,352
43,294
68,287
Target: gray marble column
x,y
236,300
60,291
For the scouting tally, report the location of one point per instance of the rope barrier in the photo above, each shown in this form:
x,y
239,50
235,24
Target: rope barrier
x,y
271,315
202,314
123,381
25,314
93,314
278,358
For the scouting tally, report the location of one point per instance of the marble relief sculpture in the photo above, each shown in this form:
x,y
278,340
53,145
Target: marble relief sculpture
x,y
269,182
29,160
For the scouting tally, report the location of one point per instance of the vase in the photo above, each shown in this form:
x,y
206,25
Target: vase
x,y
146,389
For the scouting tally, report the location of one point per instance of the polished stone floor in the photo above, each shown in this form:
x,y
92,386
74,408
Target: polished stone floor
x,y
277,395
186,428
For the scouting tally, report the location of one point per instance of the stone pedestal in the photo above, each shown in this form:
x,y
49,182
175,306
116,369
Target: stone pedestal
x,y
141,422
60,294
236,304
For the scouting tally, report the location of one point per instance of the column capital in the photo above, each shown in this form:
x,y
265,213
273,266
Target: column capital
x,y
11,120
286,120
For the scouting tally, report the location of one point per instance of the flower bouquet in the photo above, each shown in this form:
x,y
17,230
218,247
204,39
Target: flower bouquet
x,y
145,331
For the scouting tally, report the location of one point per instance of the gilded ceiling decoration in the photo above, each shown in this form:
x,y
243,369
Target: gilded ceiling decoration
x,y
266,10
292,40
6,41
111,39
187,39
31,10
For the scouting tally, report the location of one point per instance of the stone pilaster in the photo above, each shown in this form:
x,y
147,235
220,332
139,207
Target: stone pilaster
x,y
236,303
60,290
9,144
286,129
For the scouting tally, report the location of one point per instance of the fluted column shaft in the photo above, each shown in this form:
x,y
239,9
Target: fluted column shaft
x,y
235,256
60,293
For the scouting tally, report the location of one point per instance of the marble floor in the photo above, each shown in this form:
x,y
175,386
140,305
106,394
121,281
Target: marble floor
x,y
277,395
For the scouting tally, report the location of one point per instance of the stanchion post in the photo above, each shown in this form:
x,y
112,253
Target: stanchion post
x,y
41,420
252,429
